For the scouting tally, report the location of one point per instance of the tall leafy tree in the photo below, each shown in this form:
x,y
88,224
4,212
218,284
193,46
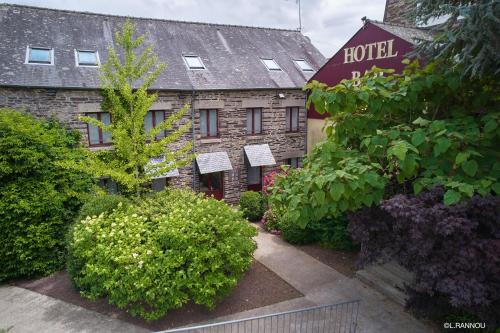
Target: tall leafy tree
x,y
126,79
469,36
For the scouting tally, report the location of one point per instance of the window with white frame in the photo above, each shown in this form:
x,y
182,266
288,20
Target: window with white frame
x,y
159,184
254,178
153,119
304,65
87,58
193,62
294,162
292,119
109,185
271,64
98,137
39,55
254,121
209,123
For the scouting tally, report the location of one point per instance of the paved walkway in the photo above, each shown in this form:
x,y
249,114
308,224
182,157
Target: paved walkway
x,y
28,311
321,284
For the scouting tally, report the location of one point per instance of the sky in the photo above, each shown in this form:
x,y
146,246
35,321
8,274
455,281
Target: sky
x,y
328,23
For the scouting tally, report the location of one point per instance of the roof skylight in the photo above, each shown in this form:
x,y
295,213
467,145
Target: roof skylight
x,y
304,65
271,64
39,55
87,58
193,62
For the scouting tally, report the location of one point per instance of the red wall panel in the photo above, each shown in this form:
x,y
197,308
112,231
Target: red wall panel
x,y
336,69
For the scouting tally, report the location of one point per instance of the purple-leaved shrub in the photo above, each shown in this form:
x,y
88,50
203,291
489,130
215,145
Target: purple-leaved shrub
x,y
454,251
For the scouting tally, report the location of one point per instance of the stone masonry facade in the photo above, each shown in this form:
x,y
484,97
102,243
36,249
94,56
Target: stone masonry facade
x,y
397,12
66,105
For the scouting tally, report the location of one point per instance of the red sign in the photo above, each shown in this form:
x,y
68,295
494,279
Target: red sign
x,y
370,46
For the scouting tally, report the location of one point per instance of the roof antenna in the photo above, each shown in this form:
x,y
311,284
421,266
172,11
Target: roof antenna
x,y
364,19
300,17
299,29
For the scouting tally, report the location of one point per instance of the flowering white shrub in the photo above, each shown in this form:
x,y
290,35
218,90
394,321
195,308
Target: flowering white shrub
x,y
173,247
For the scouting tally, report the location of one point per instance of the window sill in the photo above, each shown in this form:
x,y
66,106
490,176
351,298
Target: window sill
x,y
292,132
210,140
255,136
100,147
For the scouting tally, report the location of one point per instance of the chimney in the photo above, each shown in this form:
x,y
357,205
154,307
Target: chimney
x,y
397,12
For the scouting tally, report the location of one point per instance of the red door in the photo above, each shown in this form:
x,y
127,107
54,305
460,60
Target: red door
x,y
212,184
254,178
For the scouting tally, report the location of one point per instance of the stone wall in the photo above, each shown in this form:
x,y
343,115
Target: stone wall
x,y
67,105
396,12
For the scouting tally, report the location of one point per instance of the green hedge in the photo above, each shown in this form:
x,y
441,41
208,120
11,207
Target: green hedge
x,y
252,205
329,232
157,255
100,203
38,199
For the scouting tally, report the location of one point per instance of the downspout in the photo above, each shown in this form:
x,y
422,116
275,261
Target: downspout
x,y
307,123
193,96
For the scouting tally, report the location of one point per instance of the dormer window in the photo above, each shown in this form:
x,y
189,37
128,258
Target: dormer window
x,y
39,55
193,62
87,58
271,64
303,65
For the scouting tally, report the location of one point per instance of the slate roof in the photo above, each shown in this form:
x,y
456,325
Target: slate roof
x,y
259,155
231,54
213,162
150,168
409,34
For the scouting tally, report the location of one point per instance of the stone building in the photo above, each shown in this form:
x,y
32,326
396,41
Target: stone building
x,y
398,12
244,85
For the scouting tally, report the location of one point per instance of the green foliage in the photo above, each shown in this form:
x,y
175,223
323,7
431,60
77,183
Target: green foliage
x,y
158,254
469,37
329,232
271,221
100,203
424,126
252,205
125,86
295,234
333,180
94,205
333,233
38,199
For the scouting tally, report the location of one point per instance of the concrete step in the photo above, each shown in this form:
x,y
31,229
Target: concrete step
x,y
389,280
400,271
387,277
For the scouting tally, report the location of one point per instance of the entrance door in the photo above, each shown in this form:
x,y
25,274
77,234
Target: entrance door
x,y
212,184
159,184
254,178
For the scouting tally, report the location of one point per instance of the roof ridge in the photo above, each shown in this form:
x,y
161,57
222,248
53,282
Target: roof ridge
x,y
2,4
395,24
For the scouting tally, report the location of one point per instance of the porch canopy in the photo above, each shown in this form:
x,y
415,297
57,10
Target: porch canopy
x,y
259,155
213,162
151,168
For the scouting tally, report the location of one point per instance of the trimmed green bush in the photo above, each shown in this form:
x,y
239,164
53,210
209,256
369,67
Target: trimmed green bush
x,y
157,255
333,233
270,221
38,199
100,203
252,205
295,234
94,205
329,232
